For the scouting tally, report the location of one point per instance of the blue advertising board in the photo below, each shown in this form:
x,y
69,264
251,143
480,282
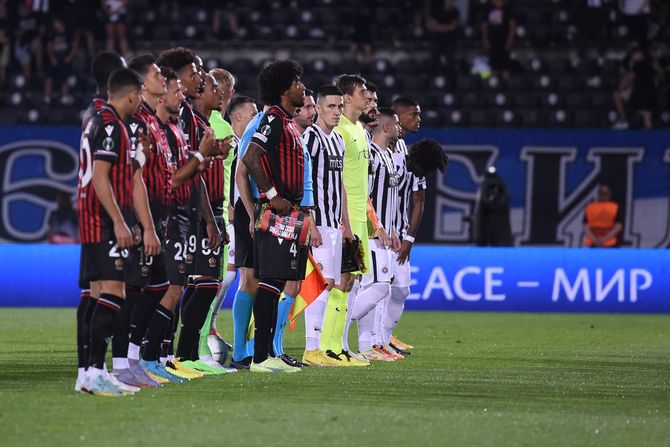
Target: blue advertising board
x,y
443,278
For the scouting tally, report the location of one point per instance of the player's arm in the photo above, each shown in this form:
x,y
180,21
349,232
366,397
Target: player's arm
x,y
208,216
418,201
190,168
152,245
105,193
347,234
243,188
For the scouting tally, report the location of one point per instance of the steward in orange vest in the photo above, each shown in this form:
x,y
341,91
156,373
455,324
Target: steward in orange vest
x,y
602,221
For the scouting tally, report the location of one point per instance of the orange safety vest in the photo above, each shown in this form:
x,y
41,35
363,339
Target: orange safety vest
x,y
601,217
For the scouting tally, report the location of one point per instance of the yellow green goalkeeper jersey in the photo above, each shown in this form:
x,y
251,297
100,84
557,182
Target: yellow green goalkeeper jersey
x,y
223,129
355,173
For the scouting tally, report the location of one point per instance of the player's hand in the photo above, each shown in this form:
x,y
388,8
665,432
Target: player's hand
x,y
207,145
231,214
280,205
225,239
403,252
213,235
137,234
252,228
395,242
384,237
152,246
122,234
144,143
223,147
347,234
315,237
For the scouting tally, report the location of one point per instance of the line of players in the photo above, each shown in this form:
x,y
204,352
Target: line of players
x,y
158,165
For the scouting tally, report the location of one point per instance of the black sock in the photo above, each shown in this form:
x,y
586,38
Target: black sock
x,y
172,333
159,324
271,349
82,358
265,305
143,313
193,316
121,332
86,326
102,323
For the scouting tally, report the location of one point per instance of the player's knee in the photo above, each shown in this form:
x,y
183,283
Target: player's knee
x,y
399,293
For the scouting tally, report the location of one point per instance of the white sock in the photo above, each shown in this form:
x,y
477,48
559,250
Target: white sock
x,y
81,373
368,299
120,363
365,328
133,351
163,360
380,313
394,310
314,314
351,300
228,280
93,373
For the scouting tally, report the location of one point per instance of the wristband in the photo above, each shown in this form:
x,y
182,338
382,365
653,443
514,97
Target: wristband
x,y
199,157
409,239
271,193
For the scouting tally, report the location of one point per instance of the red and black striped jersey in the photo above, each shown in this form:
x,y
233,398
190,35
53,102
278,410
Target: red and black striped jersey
x,y
189,125
92,109
214,173
179,149
284,158
105,138
157,171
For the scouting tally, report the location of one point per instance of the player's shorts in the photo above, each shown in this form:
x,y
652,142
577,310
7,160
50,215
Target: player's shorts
x,y
206,261
176,255
276,258
244,244
401,272
382,264
146,270
329,254
103,261
360,229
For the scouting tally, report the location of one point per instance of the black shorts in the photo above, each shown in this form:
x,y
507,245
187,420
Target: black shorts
x,y
146,270
103,261
206,262
277,258
176,255
244,244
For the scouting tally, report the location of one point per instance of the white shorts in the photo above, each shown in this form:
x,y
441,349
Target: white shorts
x,y
382,264
329,254
401,273
231,244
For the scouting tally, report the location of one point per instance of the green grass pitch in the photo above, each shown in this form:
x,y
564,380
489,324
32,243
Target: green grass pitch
x,y
475,379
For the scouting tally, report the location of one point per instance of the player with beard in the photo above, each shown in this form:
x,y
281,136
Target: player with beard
x,y
275,159
369,115
102,66
412,193
304,116
110,185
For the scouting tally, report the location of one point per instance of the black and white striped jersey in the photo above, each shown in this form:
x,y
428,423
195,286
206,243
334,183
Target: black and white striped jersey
x,y
327,155
383,186
407,183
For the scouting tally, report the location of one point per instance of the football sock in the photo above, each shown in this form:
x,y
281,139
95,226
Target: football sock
x,y
242,307
86,326
368,298
84,300
121,332
379,312
193,315
170,334
340,300
265,307
160,324
365,329
143,312
102,323
283,310
351,299
314,314
394,310
329,317
228,280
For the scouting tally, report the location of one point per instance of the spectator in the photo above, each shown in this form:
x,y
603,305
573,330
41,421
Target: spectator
x,y
27,42
638,87
636,17
498,36
602,221
115,16
443,23
80,19
61,51
491,222
224,12
63,226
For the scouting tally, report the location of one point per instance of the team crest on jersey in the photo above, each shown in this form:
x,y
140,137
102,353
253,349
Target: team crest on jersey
x,y
265,130
212,262
108,144
145,270
133,127
182,268
385,270
118,264
294,264
189,258
109,130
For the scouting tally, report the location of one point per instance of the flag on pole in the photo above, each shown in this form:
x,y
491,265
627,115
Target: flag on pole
x,y
311,287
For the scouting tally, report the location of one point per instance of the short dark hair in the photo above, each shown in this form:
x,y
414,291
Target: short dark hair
x,y
404,101
238,101
176,58
103,65
371,86
123,79
309,92
141,63
386,111
328,90
170,74
348,82
276,78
